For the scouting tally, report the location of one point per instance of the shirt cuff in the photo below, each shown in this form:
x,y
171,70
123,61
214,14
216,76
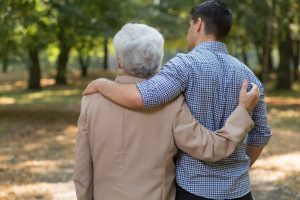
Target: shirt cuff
x,y
144,93
258,140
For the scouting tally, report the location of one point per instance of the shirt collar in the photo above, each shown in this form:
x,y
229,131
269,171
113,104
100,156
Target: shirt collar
x,y
213,46
128,79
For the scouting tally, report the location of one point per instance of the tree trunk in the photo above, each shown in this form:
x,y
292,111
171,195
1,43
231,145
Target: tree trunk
x,y
244,54
259,54
4,64
84,64
62,62
283,72
296,52
268,43
270,66
105,59
34,70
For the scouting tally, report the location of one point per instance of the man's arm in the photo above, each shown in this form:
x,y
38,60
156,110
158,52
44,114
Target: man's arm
x,y
83,170
167,84
201,143
260,135
253,152
126,95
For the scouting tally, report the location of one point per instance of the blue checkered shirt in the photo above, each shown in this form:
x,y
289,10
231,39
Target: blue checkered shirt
x,y
211,80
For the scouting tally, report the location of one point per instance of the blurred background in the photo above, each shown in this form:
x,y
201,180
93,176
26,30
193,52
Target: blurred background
x,y
51,49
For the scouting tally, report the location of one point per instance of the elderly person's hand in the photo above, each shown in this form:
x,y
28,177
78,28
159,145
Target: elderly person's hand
x,y
249,99
93,87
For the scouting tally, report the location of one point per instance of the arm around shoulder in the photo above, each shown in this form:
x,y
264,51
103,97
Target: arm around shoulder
x,y
126,95
201,143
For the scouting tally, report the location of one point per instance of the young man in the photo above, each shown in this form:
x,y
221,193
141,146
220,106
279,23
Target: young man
x,y
210,79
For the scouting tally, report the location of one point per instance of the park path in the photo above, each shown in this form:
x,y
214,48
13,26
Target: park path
x,y
36,159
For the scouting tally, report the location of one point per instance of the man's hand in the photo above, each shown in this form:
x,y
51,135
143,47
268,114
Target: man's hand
x,y
249,99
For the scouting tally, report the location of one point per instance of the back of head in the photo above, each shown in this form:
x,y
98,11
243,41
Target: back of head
x,y
216,15
139,49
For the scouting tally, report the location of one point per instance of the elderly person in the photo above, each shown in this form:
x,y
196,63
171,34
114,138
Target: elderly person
x,y
129,155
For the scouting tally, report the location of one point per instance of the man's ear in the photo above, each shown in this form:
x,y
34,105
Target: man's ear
x,y
199,24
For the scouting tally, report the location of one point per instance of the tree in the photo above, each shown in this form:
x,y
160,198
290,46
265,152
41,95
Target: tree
x,y
284,32
83,46
8,44
30,24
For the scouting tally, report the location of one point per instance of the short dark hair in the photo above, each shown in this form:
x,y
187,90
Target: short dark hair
x,y
216,16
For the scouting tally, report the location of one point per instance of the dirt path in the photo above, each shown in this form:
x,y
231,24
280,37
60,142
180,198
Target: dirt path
x,y
36,159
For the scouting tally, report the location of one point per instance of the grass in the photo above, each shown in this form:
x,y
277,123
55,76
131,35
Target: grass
x,y
285,118
38,128
13,93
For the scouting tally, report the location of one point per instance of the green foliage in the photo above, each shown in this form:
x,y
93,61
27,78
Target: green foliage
x,y
259,27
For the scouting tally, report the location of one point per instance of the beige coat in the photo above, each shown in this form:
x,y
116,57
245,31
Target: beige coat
x,y
123,154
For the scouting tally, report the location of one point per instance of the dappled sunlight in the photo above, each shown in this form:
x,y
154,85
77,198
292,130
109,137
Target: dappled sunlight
x,y
47,82
44,191
38,166
282,101
26,192
22,84
288,162
31,146
3,158
286,119
9,86
290,113
282,142
276,173
7,100
6,87
48,95
41,97
70,130
276,167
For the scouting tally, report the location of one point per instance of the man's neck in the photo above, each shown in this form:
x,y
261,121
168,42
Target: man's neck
x,y
206,39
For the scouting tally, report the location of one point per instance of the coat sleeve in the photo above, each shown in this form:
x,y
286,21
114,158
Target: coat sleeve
x,y
203,144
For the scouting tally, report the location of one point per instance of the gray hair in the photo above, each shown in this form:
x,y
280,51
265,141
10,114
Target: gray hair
x,y
139,49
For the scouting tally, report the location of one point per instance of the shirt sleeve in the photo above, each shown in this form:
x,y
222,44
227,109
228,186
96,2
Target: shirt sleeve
x,y
261,133
168,83
83,169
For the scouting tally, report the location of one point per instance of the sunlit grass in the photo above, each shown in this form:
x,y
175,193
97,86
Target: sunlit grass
x,y
285,119
58,97
13,93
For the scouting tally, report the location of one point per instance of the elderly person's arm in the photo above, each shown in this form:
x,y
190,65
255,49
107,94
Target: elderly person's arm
x,y
83,169
201,143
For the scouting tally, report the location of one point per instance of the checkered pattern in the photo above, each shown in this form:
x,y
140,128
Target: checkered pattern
x,y
211,80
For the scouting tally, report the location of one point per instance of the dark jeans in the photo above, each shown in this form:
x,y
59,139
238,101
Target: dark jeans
x,y
181,194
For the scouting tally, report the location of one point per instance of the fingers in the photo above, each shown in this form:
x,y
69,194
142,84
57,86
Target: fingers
x,y
254,92
244,87
254,89
88,90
